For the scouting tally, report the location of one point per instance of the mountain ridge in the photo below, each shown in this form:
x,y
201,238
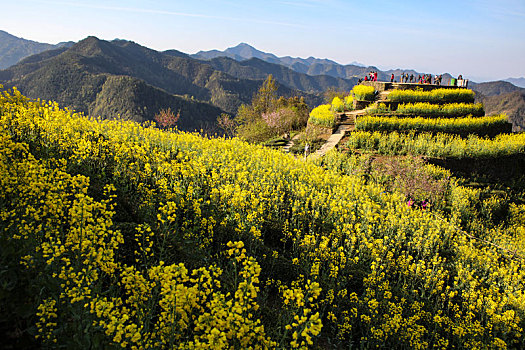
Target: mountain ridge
x,y
13,49
520,82
75,74
86,77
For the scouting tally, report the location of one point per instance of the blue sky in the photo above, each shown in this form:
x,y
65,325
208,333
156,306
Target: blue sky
x,y
481,39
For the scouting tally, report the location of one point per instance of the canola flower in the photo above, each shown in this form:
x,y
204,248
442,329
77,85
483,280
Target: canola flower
x,y
338,105
435,110
364,93
323,115
349,102
142,238
433,96
466,125
438,145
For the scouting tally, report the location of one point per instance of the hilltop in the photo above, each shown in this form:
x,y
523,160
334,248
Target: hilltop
x,y
13,49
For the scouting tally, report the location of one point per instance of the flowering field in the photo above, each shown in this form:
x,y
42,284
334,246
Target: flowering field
x,y
435,110
438,145
468,125
435,96
116,235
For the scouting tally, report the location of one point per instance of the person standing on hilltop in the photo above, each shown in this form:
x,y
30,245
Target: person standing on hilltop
x,y
392,78
375,76
411,77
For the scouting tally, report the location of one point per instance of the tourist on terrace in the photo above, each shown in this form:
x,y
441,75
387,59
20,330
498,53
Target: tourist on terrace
x,y
411,78
460,81
392,78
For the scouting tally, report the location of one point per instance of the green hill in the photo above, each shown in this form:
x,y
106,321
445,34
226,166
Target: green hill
x,y
13,49
78,77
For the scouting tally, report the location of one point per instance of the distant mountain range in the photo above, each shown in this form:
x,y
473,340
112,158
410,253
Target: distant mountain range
x,y
311,66
517,81
119,77
13,49
107,79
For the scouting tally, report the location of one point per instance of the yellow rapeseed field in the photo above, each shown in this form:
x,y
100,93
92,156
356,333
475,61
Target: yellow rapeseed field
x,y
128,236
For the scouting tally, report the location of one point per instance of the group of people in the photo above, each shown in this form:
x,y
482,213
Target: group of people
x,y
372,76
421,79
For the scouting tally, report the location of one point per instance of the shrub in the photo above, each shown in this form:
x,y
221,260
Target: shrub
x,y
322,115
469,125
434,96
439,145
447,110
349,102
338,105
364,93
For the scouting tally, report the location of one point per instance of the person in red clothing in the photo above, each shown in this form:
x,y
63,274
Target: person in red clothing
x,y
375,76
392,78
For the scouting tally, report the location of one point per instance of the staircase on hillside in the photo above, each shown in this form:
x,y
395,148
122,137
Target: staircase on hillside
x,y
346,124
348,119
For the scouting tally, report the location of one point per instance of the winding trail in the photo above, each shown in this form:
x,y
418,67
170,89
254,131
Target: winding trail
x,y
290,143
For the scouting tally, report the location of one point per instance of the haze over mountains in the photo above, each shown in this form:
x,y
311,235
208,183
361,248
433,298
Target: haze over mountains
x,y
119,77
13,49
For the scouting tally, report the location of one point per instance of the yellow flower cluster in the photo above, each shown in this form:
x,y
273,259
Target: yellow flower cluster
x,y
438,145
322,115
349,102
142,238
435,95
446,110
364,93
338,105
466,125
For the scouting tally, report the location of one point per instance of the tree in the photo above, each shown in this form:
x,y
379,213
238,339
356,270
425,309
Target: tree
x,y
266,98
226,123
333,92
165,118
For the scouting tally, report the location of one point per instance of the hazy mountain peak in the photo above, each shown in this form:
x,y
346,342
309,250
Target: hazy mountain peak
x,y
13,49
517,81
